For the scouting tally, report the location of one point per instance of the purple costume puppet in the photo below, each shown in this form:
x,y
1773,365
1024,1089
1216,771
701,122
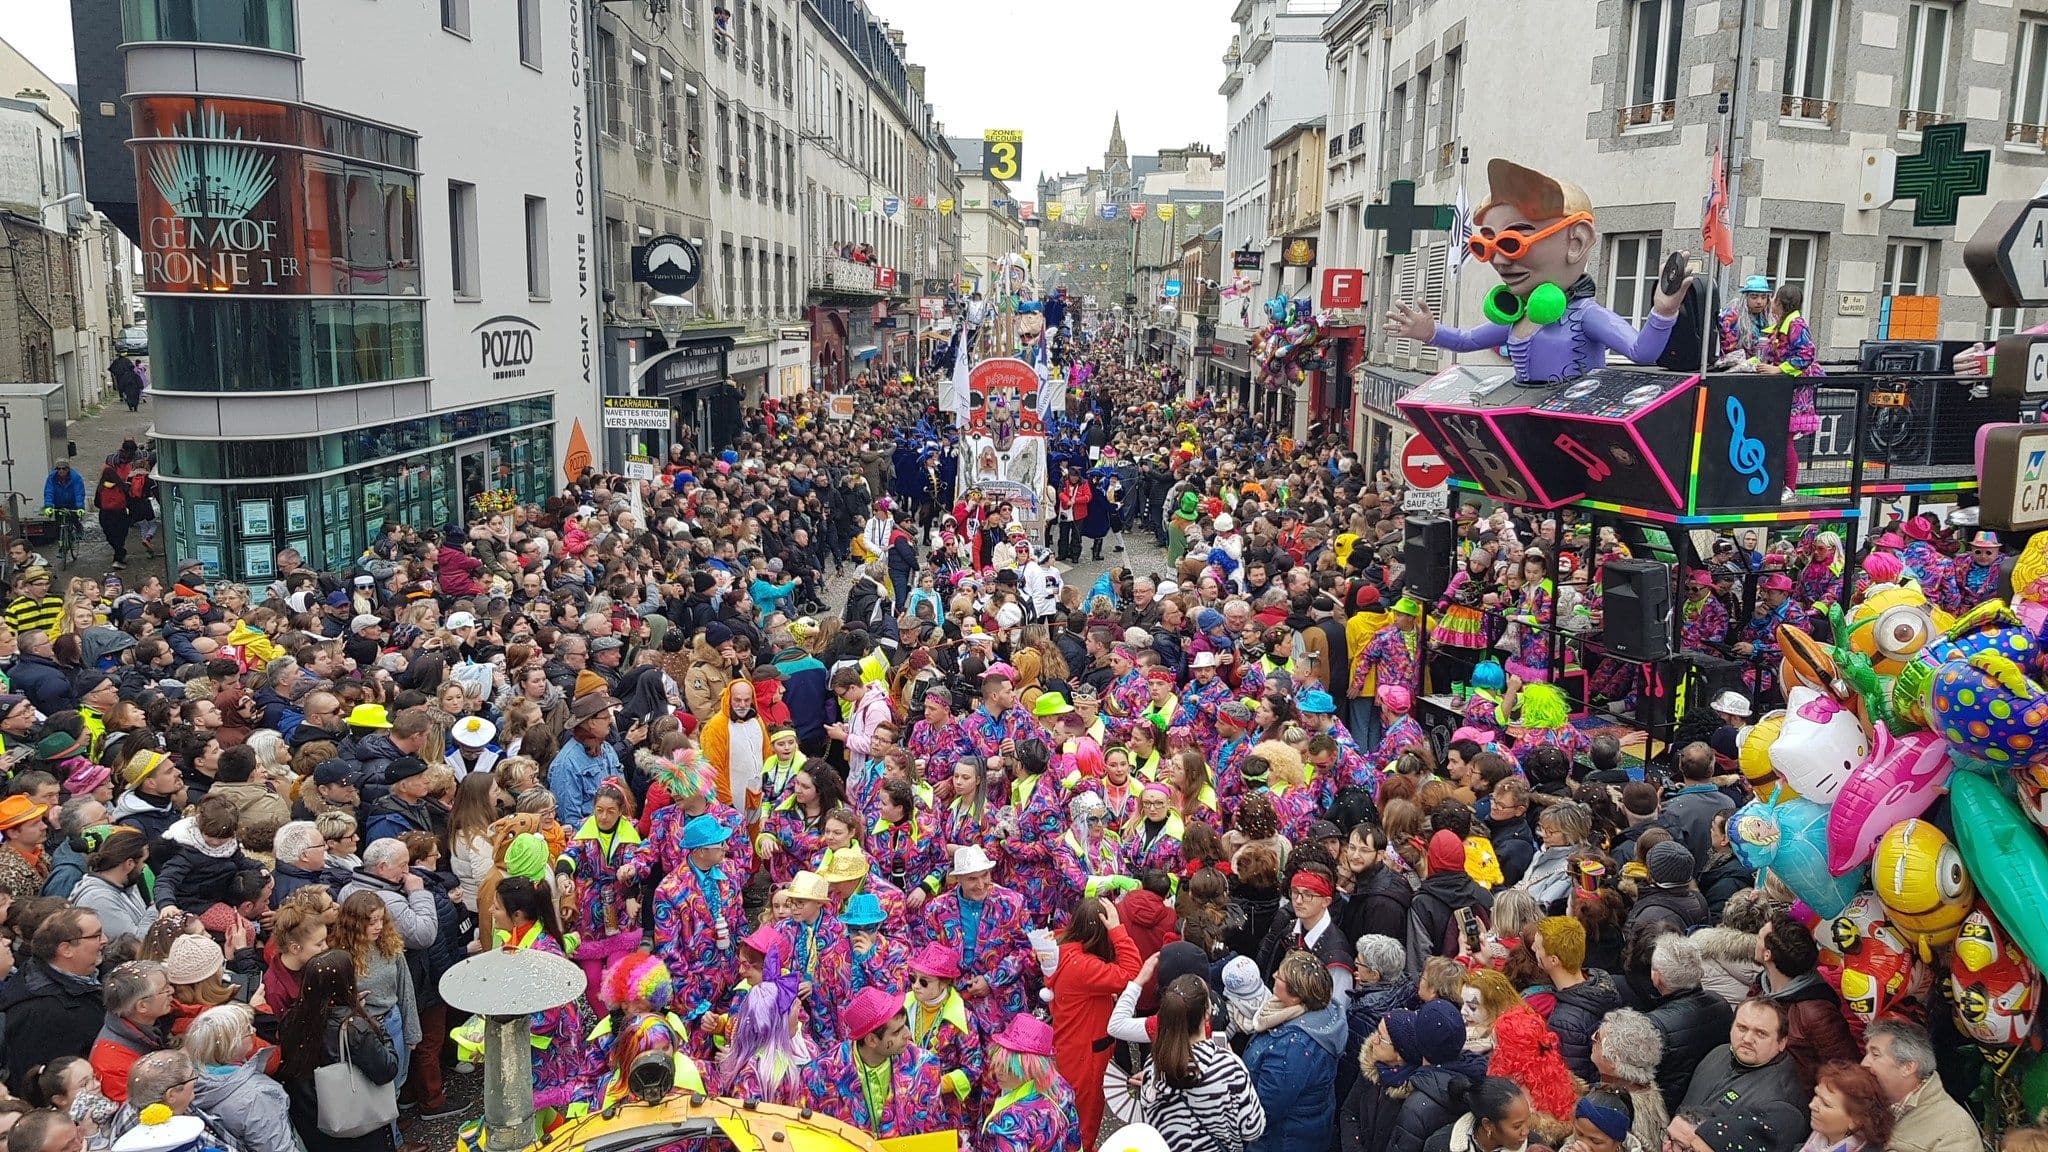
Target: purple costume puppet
x,y
1537,232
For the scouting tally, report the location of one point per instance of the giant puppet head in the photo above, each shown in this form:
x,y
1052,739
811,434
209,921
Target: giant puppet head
x,y
1537,233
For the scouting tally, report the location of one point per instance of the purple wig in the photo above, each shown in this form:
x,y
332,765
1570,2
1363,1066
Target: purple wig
x,y
763,1039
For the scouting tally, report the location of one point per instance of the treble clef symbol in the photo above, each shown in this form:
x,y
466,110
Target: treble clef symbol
x,y
1746,452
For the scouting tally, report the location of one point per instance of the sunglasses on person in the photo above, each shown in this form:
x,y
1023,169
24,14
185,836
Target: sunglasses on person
x,y
1514,243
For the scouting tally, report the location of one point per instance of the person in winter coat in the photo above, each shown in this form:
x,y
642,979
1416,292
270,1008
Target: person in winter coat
x,y
1382,985
1097,958
1194,1089
1377,899
57,1009
244,1101
1445,891
312,1037
711,661
1691,1019
456,926
1671,899
1752,1075
139,1005
1414,1071
113,885
455,567
1293,1057
387,871
1627,1051
1818,1032
1524,1049
205,858
1728,965
1580,998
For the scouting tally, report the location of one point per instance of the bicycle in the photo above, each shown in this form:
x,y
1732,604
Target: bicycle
x,y
69,531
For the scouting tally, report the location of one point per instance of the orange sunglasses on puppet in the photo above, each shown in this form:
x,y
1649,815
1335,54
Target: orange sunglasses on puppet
x,y
1537,232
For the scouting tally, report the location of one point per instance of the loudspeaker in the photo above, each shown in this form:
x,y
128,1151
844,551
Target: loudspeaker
x,y
1636,609
1427,553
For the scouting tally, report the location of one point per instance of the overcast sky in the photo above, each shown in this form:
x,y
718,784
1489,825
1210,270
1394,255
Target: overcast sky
x,y
1055,69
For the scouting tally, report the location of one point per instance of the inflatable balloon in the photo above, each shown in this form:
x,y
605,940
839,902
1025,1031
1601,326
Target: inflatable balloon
x,y
2007,856
1754,758
1899,781
1878,968
1997,992
1988,709
1890,625
1807,663
1790,838
2032,783
1921,879
1821,742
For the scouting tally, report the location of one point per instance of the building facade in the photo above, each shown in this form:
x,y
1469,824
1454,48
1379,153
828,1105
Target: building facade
x,y
859,125
373,297
1272,82
69,292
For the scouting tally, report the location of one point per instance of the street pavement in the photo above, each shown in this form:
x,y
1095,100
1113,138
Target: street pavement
x,y
99,436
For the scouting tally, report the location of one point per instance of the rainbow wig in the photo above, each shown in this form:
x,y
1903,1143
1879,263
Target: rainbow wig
x,y
636,980
639,1038
1038,1070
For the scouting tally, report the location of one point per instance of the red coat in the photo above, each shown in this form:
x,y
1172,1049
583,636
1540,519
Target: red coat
x,y
1084,991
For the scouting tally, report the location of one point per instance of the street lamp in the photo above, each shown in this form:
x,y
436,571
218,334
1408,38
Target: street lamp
x,y
670,314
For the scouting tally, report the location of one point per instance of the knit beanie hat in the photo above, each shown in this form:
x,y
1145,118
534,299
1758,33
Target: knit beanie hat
x,y
1670,864
1431,1034
527,856
1446,852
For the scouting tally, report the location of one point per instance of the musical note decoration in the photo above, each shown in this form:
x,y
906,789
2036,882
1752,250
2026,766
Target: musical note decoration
x,y
1745,452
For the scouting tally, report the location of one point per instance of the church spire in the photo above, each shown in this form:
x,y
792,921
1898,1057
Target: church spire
x,y
1117,151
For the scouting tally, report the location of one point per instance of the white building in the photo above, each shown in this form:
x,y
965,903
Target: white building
x,y
1272,81
61,330
371,264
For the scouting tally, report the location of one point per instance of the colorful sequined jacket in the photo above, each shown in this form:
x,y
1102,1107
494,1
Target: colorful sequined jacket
x,y
832,1085
665,837
593,860
688,907
885,966
999,952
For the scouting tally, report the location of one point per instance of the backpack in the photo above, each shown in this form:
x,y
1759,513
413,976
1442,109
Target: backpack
x,y
113,494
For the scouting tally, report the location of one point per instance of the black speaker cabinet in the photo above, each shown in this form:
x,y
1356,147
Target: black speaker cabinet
x,y
1427,553
1636,608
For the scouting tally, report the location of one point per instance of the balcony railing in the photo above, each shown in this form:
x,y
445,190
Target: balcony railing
x,y
1913,119
2035,135
1808,108
1649,115
842,275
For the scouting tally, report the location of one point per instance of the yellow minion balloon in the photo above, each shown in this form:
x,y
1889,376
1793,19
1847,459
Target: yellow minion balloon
x,y
1919,876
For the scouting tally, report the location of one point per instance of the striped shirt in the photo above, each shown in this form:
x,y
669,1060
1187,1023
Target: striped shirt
x,y
25,613
1221,1113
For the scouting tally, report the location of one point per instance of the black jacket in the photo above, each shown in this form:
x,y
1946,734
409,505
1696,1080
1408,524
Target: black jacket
x,y
46,685
1725,875
1577,1016
1431,913
57,1015
1332,948
369,756
1514,845
1693,1024
1376,1119
369,1049
1771,1092
457,925
1682,908
1369,1005
194,881
1378,905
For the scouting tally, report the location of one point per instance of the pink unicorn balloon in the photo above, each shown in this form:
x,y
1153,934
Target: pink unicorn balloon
x,y
1899,781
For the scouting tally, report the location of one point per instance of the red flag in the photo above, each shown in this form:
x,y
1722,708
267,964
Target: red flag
x,y
1138,210
1716,237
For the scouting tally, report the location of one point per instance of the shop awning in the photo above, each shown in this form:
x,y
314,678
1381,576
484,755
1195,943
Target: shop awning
x,y
867,353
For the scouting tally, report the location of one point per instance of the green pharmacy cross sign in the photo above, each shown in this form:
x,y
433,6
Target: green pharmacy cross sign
x,y
1401,217
1940,175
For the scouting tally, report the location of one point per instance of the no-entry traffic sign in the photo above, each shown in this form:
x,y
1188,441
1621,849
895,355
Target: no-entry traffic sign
x,y
1423,466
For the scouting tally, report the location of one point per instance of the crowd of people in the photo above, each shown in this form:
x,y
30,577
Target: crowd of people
x,y
973,848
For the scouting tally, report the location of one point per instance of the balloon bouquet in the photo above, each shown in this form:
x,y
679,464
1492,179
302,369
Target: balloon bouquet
x,y
1909,705
1291,330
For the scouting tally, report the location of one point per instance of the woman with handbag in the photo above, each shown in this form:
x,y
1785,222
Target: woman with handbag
x,y
340,1069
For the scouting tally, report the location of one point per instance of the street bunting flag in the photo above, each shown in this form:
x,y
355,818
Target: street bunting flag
x,y
1715,235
